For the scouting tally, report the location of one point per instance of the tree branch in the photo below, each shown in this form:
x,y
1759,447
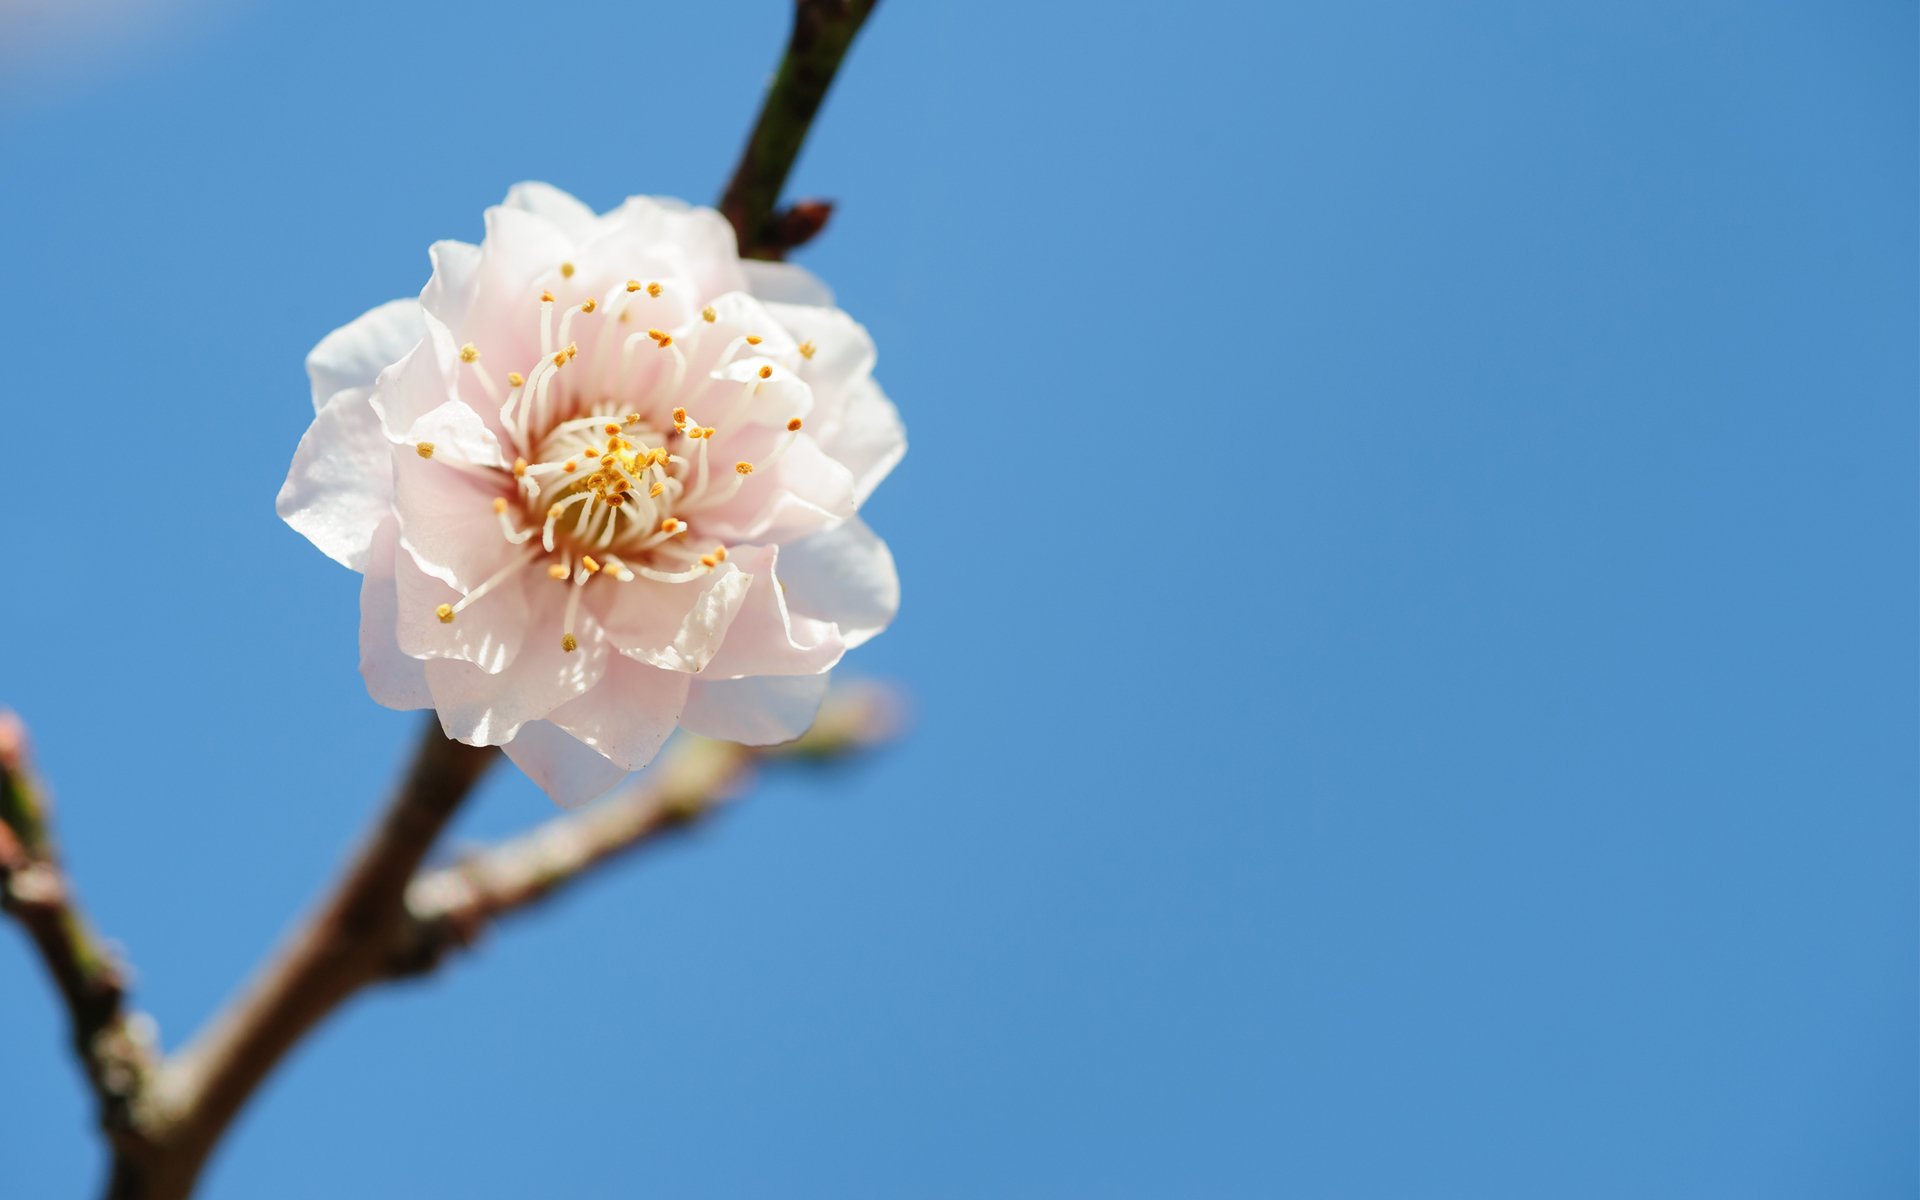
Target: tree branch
x,y
339,949
115,1047
822,31
452,907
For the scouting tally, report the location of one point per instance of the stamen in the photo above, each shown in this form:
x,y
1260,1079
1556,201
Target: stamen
x,y
708,315
807,349
445,613
566,270
424,449
793,426
469,353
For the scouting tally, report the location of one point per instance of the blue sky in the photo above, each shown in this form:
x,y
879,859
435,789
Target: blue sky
x,y
1409,562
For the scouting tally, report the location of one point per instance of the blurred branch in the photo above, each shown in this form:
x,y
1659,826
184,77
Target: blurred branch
x,y
453,906
822,32
113,1045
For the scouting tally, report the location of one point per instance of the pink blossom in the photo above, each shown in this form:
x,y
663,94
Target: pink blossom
x,y
602,480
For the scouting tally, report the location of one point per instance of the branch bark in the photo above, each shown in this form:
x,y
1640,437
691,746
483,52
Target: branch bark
x,y
822,32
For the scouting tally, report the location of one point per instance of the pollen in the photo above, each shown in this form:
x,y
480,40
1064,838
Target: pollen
x,y
589,305
566,270
612,427
679,414
469,353
560,358
445,613
660,337
424,449
519,468
556,571
754,339
515,378
570,466
573,348
743,468
592,567
633,285
669,526
653,493
720,552
546,297
616,500
708,315
499,504
653,289
708,560
807,349
766,372
793,426
569,643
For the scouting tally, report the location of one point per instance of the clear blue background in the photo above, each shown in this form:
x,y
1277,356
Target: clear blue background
x,y
1409,554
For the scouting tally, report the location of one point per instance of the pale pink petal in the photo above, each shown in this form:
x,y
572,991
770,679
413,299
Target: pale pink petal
x,y
568,771
562,211
393,679
673,626
757,712
487,633
843,352
802,492
447,518
868,437
785,283
629,715
487,710
700,238
458,436
419,383
846,576
353,355
449,292
340,485
765,637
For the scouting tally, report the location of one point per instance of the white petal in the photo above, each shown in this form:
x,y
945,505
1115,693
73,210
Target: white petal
x,y
355,354
804,492
674,626
758,712
487,633
569,772
629,715
457,435
785,283
447,518
393,679
419,383
488,710
341,482
843,352
449,293
765,637
846,576
561,210
868,439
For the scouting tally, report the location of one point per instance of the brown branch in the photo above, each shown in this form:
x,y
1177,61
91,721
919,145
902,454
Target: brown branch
x,y
822,31
339,949
114,1046
453,906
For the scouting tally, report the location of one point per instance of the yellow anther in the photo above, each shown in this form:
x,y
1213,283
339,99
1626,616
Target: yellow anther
x,y
679,414
499,504
720,552
753,339
708,315
743,468
515,378
708,432
566,270
593,568
589,305
559,358
424,449
569,466
616,499
469,353
611,427
633,285
664,338
793,426
519,468
653,289
573,348
766,372
653,493
708,560
569,643
554,510
669,526
546,297
445,613
556,571
806,349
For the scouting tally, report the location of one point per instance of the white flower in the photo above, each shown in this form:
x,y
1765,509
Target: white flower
x,y
601,479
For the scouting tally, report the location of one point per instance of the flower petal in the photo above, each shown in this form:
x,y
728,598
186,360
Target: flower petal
x,y
844,575
868,438
674,626
488,710
568,771
355,354
629,715
340,484
487,633
785,283
449,292
447,518
757,712
393,679
765,637
560,210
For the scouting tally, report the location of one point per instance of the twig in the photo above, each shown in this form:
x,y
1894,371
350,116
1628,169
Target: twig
x,y
453,906
342,947
822,31
114,1046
